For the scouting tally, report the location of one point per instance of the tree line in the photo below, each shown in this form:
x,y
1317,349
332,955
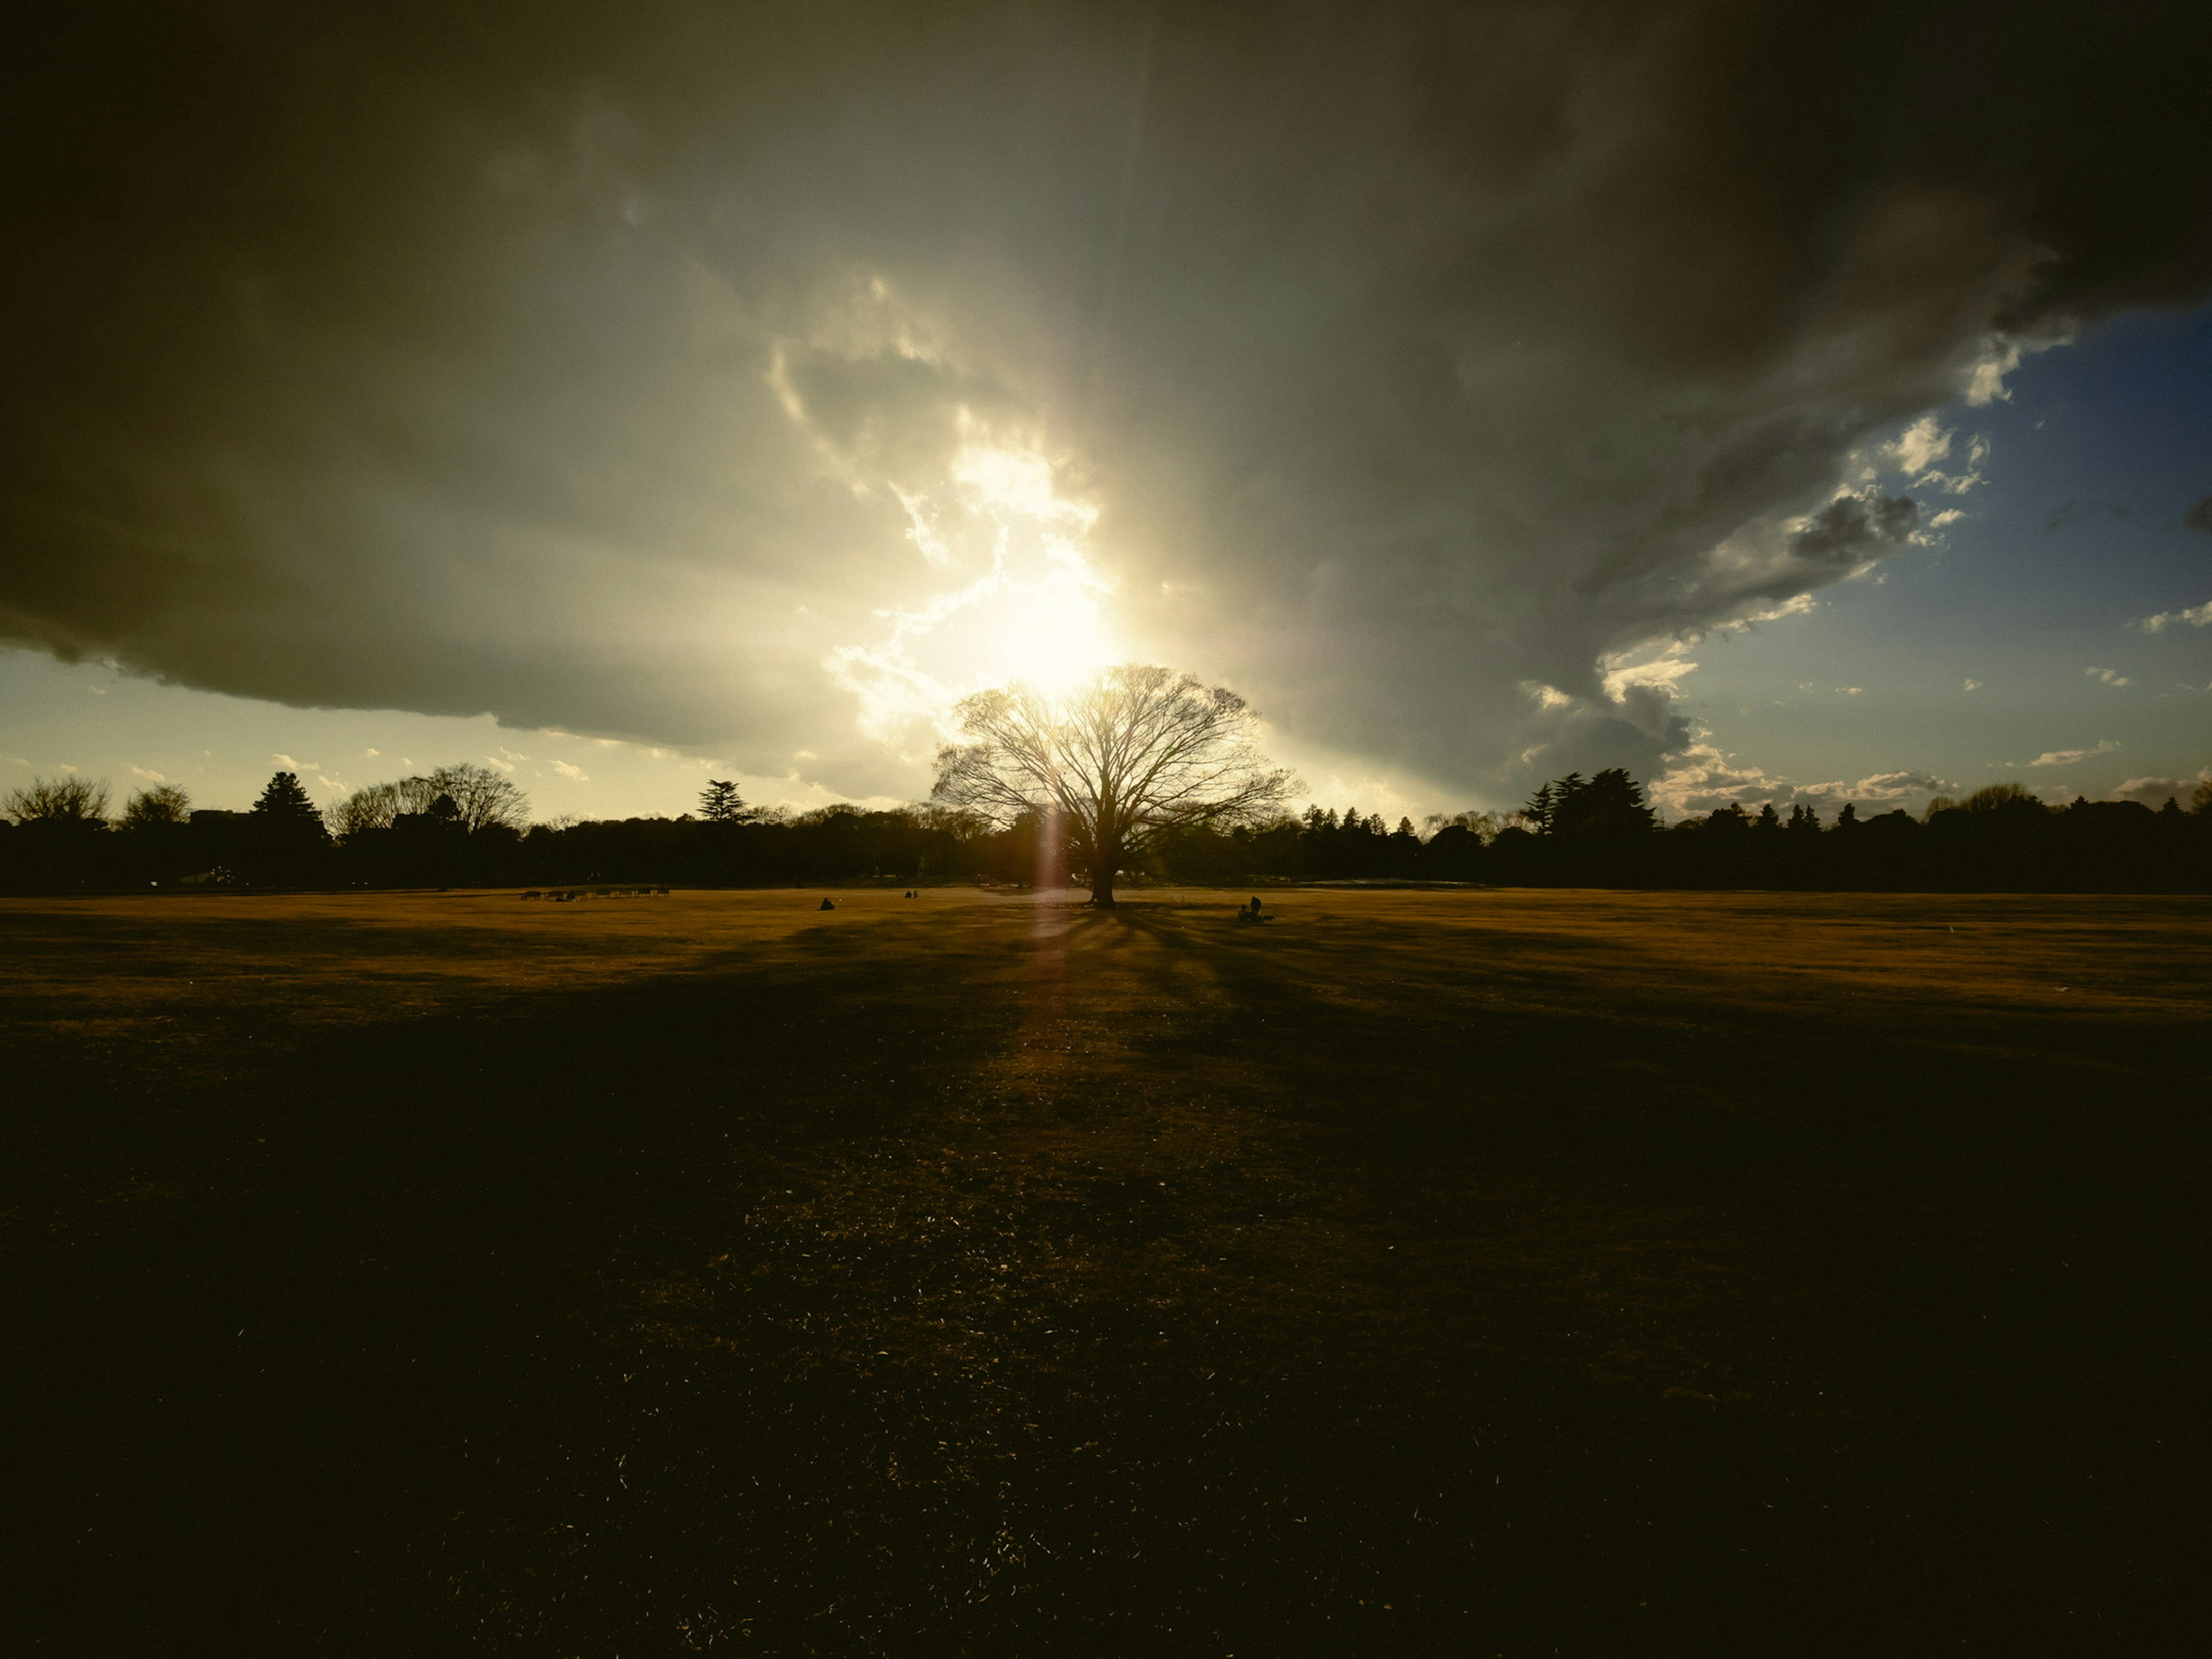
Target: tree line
x,y
470,826
1601,831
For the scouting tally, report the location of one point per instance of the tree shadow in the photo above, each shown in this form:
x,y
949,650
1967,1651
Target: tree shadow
x,y
1154,1284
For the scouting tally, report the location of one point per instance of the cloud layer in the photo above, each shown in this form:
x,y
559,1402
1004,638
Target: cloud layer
x,y
750,380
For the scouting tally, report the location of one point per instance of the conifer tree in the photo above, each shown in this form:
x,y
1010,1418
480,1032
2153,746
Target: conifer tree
x,y
719,802
1537,811
286,802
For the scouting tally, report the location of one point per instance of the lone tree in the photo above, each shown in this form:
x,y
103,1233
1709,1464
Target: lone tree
x,y
1133,754
163,806
283,802
721,803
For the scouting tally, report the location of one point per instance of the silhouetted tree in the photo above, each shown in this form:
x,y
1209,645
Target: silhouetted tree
x,y
719,802
283,801
483,798
2001,798
64,800
1119,761
285,834
1611,803
480,798
1543,807
163,806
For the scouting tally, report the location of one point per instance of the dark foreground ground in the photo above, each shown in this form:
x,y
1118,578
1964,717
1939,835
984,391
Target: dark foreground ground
x,y
1484,1273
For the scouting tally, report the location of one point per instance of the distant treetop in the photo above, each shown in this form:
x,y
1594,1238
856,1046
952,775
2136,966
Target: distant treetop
x,y
1610,804
284,798
721,803
65,799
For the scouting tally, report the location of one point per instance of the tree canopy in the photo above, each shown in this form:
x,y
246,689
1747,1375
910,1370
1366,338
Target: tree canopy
x,y
1610,804
65,799
721,803
480,798
284,801
1114,764
163,806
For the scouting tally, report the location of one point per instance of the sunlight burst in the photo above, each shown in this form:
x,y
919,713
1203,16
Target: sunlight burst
x,y
1029,610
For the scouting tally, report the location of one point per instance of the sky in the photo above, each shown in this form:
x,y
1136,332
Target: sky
x,y
1784,404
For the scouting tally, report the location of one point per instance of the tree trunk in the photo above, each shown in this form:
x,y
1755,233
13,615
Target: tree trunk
x,y
1102,877
1105,855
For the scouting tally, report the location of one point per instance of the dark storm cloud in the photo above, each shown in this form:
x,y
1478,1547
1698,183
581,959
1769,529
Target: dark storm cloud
x,y
1849,531
581,363
2199,517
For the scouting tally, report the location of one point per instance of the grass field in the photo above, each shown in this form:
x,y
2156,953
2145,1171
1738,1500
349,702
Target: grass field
x,y
1469,1273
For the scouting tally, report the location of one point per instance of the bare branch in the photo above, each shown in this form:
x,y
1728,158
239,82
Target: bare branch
x,y
1134,753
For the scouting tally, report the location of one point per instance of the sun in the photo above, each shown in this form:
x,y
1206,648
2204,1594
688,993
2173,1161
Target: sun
x,y
1050,634
1039,614
1014,597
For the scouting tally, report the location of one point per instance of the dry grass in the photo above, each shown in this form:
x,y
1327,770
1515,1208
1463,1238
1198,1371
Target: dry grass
x,y
1419,1272
149,969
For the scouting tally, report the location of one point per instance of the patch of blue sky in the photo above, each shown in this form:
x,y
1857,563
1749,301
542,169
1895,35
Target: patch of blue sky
x,y
2018,634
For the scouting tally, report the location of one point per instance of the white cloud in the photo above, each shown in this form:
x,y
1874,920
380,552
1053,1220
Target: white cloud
x,y
150,777
1887,788
1973,685
2068,756
1850,690
1916,451
1919,448
568,771
1985,379
1958,483
1663,675
2196,615
1702,777
2156,792
1949,515
1547,696
2107,677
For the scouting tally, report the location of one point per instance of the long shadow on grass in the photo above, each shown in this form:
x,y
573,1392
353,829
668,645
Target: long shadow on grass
x,y
952,1287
